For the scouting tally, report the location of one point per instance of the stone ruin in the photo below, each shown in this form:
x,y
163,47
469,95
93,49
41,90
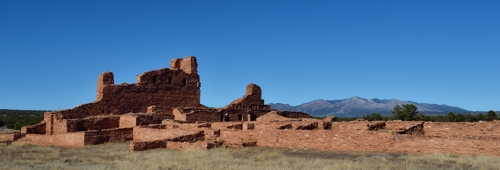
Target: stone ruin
x,y
157,99
163,110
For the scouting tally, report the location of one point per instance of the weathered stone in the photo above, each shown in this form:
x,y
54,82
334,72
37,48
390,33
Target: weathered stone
x,y
376,126
417,129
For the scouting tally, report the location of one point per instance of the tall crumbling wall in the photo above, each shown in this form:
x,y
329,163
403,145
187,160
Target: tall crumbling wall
x,y
106,78
163,88
251,100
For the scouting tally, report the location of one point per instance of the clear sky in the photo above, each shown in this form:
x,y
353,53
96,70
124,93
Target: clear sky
x,y
442,52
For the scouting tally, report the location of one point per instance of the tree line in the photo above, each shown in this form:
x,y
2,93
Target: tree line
x,y
408,112
15,119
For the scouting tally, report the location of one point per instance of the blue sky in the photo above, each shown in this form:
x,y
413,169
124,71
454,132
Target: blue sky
x,y
443,52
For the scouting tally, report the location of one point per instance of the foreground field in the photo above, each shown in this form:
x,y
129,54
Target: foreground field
x,y
116,156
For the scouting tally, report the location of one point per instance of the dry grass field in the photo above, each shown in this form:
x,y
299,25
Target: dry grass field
x,y
116,156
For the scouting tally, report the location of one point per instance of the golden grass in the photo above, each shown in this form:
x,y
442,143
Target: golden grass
x,y
116,156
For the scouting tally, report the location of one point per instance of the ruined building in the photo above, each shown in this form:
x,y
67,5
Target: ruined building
x,y
162,110
164,94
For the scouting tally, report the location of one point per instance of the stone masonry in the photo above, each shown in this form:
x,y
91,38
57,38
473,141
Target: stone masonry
x,y
163,110
164,94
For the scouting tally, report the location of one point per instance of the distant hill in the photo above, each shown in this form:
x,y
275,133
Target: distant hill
x,y
358,107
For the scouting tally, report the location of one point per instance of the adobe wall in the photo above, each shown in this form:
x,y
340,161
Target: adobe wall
x,y
164,88
74,139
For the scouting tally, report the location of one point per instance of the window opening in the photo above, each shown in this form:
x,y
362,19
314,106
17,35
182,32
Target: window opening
x,y
169,80
253,117
184,81
154,79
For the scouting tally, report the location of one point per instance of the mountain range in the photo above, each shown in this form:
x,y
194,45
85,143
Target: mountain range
x,y
358,107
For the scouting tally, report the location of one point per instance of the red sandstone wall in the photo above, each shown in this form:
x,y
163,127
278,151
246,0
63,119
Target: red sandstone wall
x,y
74,139
188,64
59,126
234,114
204,116
128,120
179,115
135,99
106,78
132,120
163,88
251,100
93,123
108,135
34,129
153,118
141,146
158,109
146,134
48,118
10,136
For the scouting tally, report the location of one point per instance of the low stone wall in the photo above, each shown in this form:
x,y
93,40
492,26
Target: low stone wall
x,y
197,114
185,145
205,116
141,146
290,114
34,129
108,135
233,125
74,139
153,118
4,137
147,134
93,123
376,125
167,138
128,120
132,120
